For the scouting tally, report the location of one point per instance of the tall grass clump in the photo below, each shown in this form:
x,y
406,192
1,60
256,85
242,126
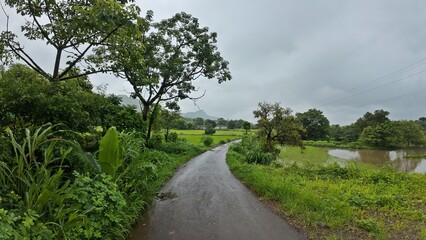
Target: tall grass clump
x,y
250,148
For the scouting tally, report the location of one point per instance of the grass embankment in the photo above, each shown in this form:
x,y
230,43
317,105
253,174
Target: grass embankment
x,y
327,201
195,137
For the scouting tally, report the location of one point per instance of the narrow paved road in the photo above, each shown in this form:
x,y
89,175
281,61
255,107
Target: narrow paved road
x,y
205,201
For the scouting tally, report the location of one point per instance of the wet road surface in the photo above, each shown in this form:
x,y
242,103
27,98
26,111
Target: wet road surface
x,y
205,201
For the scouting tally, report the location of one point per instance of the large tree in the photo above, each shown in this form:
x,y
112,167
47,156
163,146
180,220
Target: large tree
x,y
316,124
164,61
411,133
370,119
71,28
276,125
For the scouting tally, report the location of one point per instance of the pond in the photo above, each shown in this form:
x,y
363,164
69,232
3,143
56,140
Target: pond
x,y
395,158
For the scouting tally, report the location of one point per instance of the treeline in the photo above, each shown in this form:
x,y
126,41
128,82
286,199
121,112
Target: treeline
x,y
182,123
372,129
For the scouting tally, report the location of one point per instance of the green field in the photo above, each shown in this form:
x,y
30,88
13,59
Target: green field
x,y
195,136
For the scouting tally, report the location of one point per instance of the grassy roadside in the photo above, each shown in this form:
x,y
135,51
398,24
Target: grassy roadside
x,y
331,202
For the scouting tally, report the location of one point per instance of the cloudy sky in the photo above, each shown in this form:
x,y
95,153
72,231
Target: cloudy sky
x,y
342,57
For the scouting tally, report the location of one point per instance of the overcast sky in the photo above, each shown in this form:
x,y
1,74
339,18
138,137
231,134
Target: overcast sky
x,y
332,55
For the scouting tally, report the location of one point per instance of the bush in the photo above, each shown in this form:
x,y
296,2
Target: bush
x,y
209,130
173,137
18,224
93,208
179,147
258,157
207,141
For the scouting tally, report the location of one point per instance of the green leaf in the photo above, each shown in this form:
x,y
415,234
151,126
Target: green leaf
x,y
109,152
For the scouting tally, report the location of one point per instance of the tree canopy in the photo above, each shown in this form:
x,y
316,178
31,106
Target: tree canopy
x,y
164,60
70,28
276,125
316,124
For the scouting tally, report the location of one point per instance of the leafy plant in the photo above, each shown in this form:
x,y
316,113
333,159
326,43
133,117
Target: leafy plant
x,y
36,172
93,208
109,153
207,141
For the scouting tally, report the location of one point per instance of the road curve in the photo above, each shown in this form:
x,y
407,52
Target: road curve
x,y
205,201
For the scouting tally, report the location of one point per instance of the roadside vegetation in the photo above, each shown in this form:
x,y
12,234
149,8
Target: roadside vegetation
x,y
322,196
327,201
74,162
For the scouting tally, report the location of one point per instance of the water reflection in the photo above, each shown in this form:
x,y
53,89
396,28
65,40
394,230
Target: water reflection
x,y
397,158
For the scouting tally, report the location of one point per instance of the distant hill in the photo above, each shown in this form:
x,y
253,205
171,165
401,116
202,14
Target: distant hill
x,y
126,100
198,114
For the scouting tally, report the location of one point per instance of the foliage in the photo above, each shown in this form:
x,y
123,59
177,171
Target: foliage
x,y
92,208
71,28
370,119
177,51
246,126
109,152
23,225
207,141
35,172
380,135
71,103
277,126
316,124
209,130
250,148
411,133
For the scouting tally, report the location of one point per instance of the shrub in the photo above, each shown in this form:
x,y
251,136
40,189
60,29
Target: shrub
x,y
173,137
18,224
92,208
209,130
178,147
207,141
259,157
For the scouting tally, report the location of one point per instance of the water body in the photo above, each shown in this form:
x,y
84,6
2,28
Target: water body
x,y
395,158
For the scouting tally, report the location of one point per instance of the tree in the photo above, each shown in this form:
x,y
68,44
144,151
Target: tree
x,y
316,124
221,122
246,126
199,121
209,130
167,119
422,122
411,133
383,135
210,122
277,126
164,62
370,119
72,28
232,124
337,132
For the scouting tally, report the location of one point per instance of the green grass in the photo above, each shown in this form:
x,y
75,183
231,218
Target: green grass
x,y
195,136
331,202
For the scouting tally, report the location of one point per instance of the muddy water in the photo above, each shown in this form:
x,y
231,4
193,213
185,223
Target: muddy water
x,y
396,158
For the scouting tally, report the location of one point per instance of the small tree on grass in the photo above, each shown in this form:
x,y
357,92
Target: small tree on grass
x,y
246,126
207,141
277,126
209,130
